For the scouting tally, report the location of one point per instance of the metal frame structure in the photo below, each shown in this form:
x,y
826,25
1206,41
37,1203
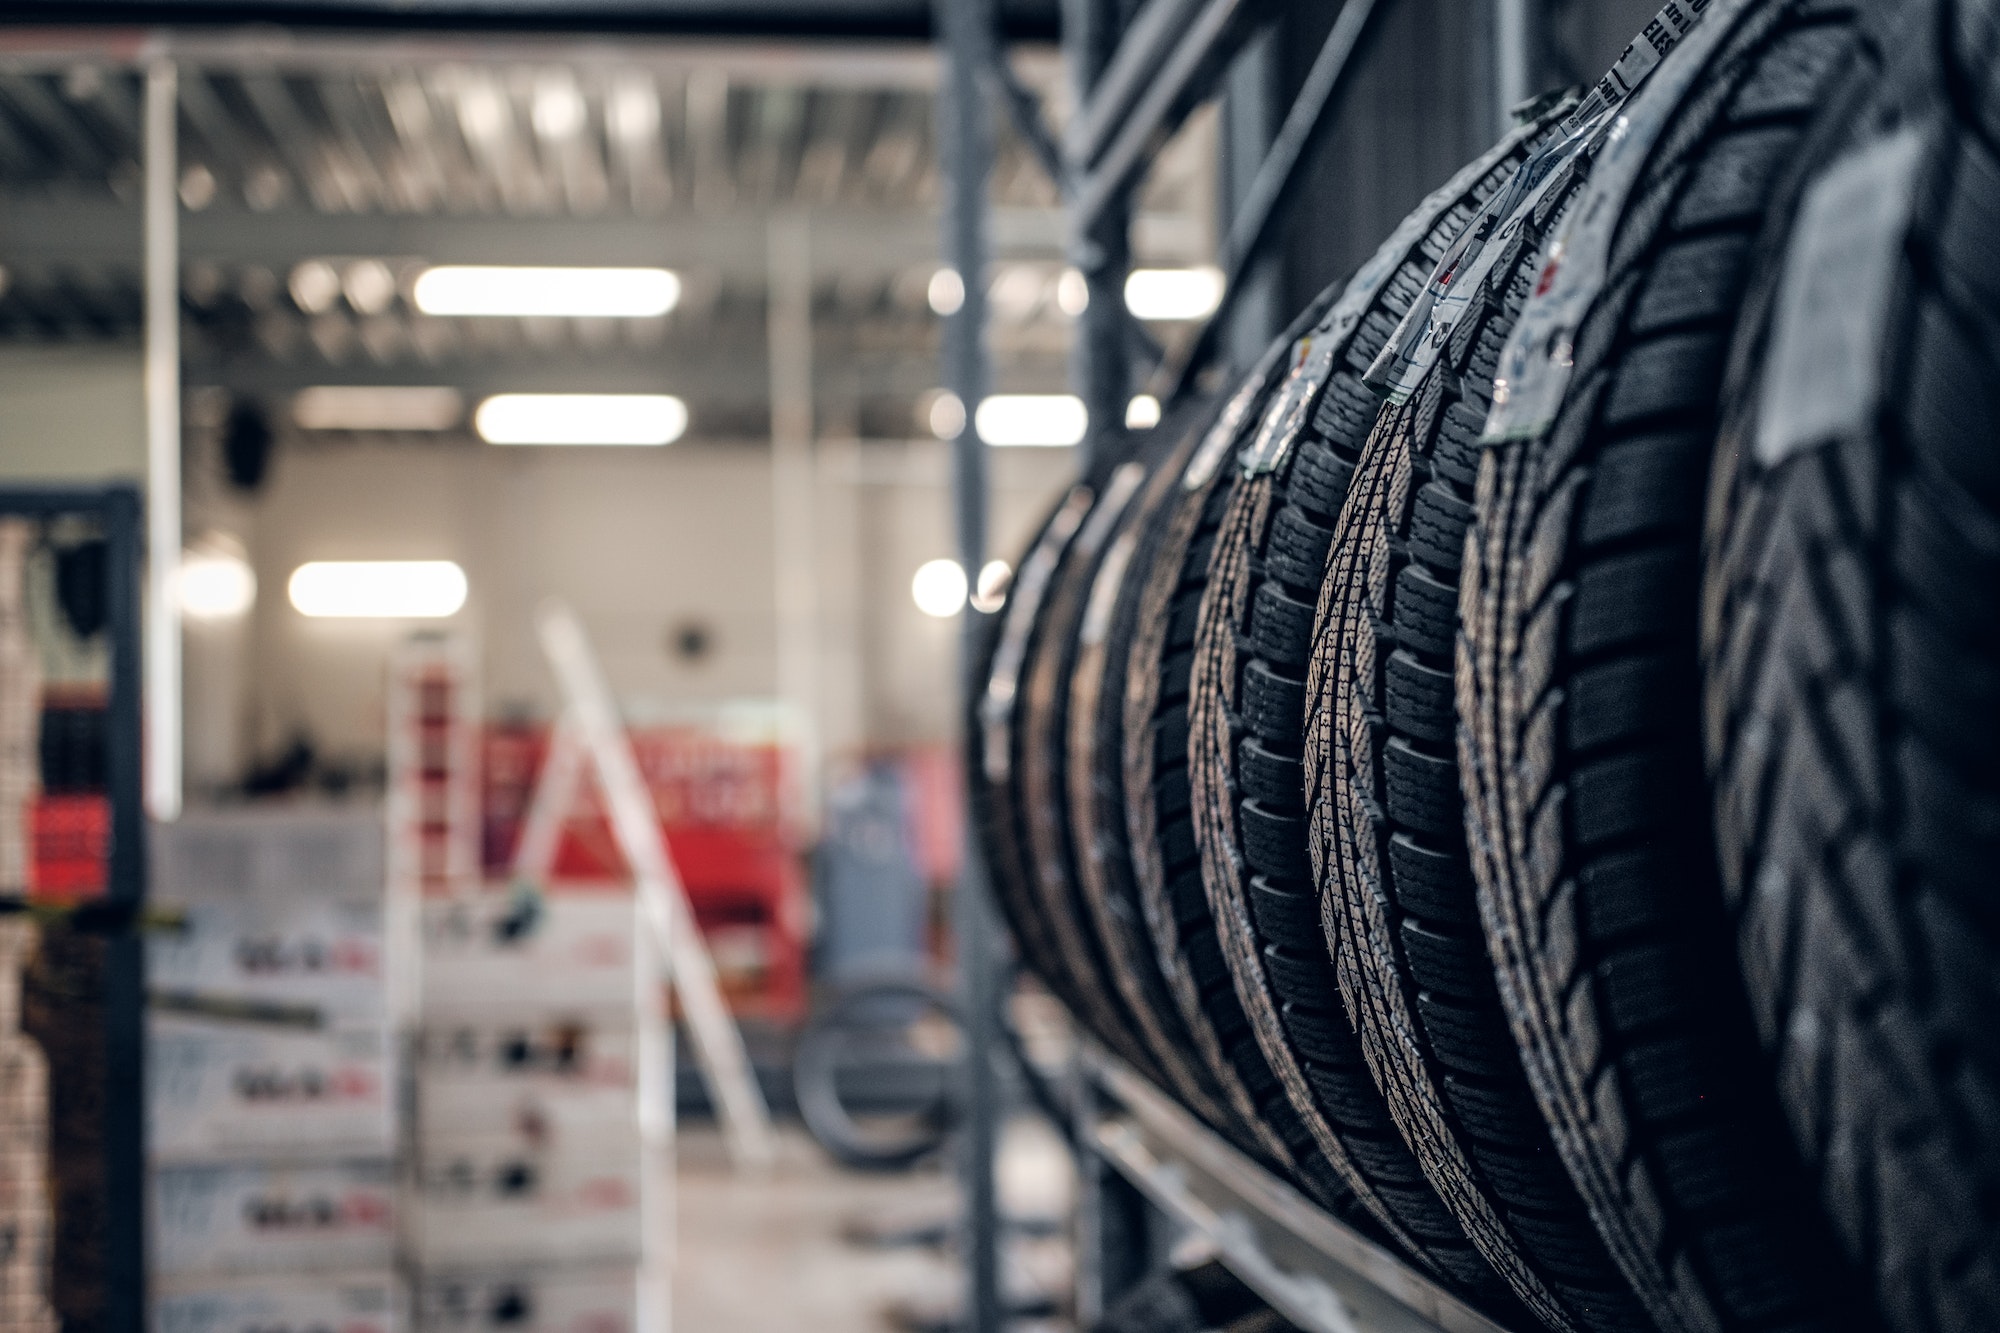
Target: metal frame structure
x,y
1147,1170
118,915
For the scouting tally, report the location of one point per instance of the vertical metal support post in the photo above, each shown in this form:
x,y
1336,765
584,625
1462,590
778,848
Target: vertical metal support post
x,y
1101,357
965,141
163,443
125,957
794,542
1249,125
1515,35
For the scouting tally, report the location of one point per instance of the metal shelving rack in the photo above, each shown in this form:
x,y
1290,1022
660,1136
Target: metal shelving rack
x,y
1147,1170
118,1259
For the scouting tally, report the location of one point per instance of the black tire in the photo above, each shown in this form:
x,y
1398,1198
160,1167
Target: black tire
x,y
1851,649
1388,836
1097,791
857,1011
993,736
1246,716
1158,826
1040,780
1578,743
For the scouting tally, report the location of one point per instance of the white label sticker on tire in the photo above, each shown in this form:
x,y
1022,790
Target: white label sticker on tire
x,y
1314,360
1823,372
1462,273
1536,365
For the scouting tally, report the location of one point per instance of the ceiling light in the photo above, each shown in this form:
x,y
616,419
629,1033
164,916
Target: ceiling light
x,y
1032,419
617,293
558,111
315,286
197,188
1017,289
946,292
1173,293
381,407
938,588
369,285
483,112
1072,292
632,111
378,589
214,585
946,415
1142,413
581,418
994,578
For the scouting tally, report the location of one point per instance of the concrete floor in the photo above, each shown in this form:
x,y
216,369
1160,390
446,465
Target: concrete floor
x,y
775,1253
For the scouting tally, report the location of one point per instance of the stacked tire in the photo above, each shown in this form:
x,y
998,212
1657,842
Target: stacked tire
x,y
1525,765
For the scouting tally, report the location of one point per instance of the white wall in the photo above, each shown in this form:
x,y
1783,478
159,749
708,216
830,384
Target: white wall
x,y
72,414
638,541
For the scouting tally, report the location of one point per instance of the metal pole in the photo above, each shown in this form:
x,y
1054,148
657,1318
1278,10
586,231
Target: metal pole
x,y
1513,62
965,141
124,1228
795,557
1249,124
1101,362
162,718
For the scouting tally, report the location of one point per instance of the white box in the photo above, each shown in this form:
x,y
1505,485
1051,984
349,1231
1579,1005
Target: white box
x,y
281,1303
575,950
225,1091
223,855
268,1219
496,1072
494,1199
304,949
585,1300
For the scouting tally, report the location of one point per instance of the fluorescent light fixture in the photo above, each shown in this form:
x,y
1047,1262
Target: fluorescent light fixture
x,y
1072,292
1142,413
609,293
994,578
581,418
1173,293
946,292
214,585
1017,289
947,415
1032,419
384,407
559,111
378,589
369,286
938,588
315,286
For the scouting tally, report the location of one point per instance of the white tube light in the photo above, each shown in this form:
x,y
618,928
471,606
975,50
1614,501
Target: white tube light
x,y
380,407
607,293
1030,419
581,418
377,589
1142,413
1173,293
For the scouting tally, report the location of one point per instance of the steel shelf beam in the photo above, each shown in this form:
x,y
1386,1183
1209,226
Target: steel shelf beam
x,y
1321,1275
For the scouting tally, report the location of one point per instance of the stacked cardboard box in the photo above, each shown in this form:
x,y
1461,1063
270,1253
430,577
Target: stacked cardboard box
x,y
534,1172
272,1084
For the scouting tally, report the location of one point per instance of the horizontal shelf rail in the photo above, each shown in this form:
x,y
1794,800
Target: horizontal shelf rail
x,y
1319,1274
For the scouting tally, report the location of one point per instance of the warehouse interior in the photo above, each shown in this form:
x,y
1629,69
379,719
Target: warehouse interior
x,y
1058,665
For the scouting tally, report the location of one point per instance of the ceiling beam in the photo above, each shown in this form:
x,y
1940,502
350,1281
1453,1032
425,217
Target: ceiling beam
x,y
713,374
752,49
78,228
